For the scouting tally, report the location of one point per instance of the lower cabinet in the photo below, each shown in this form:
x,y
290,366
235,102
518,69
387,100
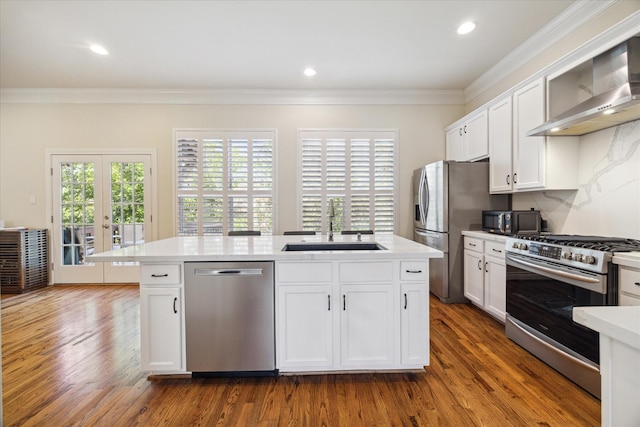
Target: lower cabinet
x,y
161,328
485,275
162,318
414,324
352,315
305,326
629,286
366,325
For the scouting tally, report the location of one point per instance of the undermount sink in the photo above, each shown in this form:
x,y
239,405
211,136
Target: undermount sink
x,y
333,246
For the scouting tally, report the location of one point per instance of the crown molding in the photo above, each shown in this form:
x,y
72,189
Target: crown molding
x,y
230,97
576,15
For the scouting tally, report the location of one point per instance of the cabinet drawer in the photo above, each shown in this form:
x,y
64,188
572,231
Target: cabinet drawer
x,y
304,272
366,272
494,249
630,281
160,274
473,244
413,270
628,300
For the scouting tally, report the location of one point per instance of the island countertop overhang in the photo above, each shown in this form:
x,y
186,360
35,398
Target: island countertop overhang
x,y
262,248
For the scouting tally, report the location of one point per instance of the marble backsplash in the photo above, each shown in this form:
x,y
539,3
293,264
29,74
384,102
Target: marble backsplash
x,y
607,202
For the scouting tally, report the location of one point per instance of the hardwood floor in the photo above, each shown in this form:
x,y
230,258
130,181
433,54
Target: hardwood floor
x,y
71,357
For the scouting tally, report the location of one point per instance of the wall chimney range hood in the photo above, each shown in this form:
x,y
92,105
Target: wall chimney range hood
x,y
615,100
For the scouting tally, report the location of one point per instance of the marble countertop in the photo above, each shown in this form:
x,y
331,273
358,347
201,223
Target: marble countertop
x,y
629,259
621,323
261,248
485,235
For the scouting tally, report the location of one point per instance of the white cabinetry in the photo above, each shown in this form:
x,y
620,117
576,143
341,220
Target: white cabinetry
x,y
350,315
629,286
366,325
305,306
495,280
501,146
468,139
528,151
414,313
485,275
474,270
161,317
453,143
528,163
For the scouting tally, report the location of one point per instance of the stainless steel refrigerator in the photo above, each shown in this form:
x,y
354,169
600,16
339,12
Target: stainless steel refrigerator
x,y
449,197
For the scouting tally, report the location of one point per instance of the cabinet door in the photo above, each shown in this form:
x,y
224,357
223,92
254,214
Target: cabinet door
x,y
453,141
500,146
475,143
495,289
414,324
161,328
366,325
529,151
474,277
305,339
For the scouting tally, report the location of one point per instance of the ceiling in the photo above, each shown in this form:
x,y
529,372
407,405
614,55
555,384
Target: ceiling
x,y
354,45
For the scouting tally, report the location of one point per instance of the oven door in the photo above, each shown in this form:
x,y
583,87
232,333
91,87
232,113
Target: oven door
x,y
542,294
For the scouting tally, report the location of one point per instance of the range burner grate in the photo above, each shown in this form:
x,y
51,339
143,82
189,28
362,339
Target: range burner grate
x,y
598,243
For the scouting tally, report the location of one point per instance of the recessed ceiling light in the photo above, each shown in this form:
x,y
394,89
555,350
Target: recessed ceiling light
x,y
309,72
467,27
96,48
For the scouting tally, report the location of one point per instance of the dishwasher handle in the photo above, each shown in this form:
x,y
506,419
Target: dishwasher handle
x,y
228,272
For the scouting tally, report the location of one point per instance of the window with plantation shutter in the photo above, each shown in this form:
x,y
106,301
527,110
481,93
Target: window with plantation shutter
x,y
224,181
357,169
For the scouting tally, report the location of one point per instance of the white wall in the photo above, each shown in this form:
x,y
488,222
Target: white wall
x,y
27,130
607,202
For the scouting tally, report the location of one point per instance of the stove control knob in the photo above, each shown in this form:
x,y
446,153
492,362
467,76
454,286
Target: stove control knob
x,y
578,257
567,256
589,259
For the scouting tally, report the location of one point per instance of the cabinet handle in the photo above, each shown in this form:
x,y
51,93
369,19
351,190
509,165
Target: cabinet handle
x,y
160,275
637,283
328,302
460,131
508,176
405,301
486,267
344,302
472,244
515,178
496,250
175,300
479,265
413,271
465,128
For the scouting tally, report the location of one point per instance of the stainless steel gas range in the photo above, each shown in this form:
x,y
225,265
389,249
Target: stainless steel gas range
x,y
548,275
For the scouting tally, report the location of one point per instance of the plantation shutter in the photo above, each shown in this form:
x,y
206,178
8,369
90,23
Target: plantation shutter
x,y
357,169
224,182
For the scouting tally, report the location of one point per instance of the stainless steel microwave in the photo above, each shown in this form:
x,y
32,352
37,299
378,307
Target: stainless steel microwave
x,y
511,222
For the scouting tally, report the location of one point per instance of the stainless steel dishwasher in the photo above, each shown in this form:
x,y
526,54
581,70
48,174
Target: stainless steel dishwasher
x,y
229,318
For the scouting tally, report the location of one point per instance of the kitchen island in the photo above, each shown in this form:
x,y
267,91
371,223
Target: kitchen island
x,y
335,310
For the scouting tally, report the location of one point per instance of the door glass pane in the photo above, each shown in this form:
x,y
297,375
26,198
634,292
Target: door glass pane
x,y
127,204
77,212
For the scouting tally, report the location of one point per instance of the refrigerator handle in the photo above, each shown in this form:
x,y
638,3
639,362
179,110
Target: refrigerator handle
x,y
424,191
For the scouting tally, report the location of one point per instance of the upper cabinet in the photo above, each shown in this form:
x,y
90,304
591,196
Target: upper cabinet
x,y
468,140
527,163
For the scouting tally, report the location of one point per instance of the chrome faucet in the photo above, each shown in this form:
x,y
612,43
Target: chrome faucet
x,y
332,214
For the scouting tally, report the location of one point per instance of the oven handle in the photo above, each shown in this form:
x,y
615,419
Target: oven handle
x,y
557,272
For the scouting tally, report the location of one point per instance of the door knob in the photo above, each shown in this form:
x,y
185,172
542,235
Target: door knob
x,y
105,226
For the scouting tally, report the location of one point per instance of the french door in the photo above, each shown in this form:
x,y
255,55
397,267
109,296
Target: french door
x,y
100,202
